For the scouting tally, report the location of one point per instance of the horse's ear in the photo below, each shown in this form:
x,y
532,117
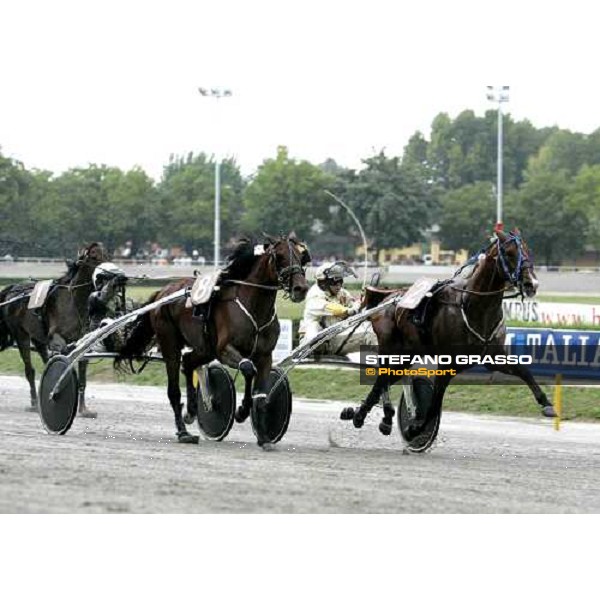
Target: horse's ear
x,y
515,231
292,236
270,239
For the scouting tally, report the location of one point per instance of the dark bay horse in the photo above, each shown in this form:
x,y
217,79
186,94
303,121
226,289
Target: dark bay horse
x,y
241,329
464,312
62,319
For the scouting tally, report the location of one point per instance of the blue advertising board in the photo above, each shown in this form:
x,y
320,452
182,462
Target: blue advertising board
x,y
575,354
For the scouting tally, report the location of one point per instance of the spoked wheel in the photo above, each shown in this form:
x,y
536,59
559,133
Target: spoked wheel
x,y
216,401
418,418
58,412
270,422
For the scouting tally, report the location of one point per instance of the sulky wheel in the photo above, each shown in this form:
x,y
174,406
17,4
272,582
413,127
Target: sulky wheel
x,y
216,402
270,422
58,412
418,418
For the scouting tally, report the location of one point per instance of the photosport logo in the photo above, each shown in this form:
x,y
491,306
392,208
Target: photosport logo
x,y
578,362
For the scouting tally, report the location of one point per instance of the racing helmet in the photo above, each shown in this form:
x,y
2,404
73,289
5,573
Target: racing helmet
x,y
333,270
105,271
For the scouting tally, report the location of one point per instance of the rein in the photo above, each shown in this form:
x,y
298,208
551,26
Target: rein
x,y
270,288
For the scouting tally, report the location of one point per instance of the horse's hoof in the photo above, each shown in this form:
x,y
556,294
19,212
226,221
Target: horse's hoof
x,y
548,411
267,446
86,413
241,414
188,418
358,420
347,414
187,438
385,428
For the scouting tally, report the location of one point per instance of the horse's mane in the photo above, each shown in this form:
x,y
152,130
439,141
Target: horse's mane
x,y
242,258
72,269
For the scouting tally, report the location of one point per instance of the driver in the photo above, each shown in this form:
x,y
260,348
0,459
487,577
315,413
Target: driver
x,y
106,301
328,303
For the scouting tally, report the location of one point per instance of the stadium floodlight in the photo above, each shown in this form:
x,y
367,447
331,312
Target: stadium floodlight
x,y
217,93
499,94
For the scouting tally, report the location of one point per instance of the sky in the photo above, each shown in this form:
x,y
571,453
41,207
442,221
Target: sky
x,y
116,82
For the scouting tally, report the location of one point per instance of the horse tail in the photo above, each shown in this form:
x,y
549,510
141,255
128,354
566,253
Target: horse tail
x,y
137,341
6,338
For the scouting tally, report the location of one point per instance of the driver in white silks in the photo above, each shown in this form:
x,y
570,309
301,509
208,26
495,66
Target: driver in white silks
x,y
328,303
105,303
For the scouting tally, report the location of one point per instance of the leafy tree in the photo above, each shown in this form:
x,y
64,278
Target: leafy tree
x,y
187,201
551,227
584,198
392,201
286,195
467,216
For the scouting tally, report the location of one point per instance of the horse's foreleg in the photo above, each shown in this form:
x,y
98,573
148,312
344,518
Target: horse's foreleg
x,y
248,370
232,357
523,373
82,376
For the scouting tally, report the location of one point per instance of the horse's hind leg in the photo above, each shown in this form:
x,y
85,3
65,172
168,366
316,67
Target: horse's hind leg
x,y
174,393
358,415
525,375
387,421
84,411
24,345
190,361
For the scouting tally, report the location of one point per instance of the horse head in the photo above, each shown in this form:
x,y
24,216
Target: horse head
x,y
92,255
514,263
288,258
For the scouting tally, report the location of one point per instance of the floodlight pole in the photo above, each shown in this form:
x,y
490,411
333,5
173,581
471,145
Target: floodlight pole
x,y
499,94
217,93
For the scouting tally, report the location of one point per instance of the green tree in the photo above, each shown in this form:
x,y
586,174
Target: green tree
x,y
551,227
467,216
393,202
187,201
584,198
286,195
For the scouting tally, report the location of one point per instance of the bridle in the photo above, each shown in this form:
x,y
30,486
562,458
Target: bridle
x,y
514,277
284,275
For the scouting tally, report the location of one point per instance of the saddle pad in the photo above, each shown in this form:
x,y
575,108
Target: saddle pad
x,y
203,288
39,294
416,292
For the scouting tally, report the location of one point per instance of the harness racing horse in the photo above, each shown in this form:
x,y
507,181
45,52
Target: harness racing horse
x,y
61,320
241,329
463,312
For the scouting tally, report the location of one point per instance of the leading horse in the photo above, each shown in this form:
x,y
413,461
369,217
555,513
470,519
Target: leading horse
x,y
61,320
241,329
465,312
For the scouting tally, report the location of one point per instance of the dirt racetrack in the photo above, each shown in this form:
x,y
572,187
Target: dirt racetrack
x,y
127,460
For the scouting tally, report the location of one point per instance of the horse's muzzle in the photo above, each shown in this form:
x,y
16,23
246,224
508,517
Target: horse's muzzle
x,y
529,288
298,293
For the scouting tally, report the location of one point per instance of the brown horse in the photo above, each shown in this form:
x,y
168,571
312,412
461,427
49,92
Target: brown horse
x,y
62,319
241,330
461,312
